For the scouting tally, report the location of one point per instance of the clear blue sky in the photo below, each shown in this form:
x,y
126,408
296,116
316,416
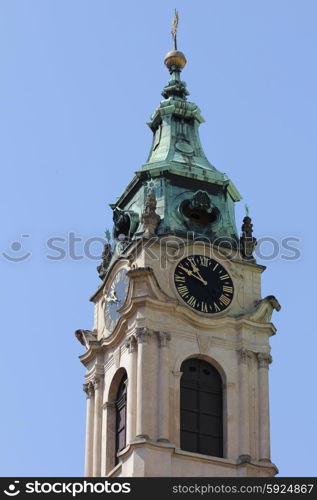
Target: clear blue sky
x,y
79,79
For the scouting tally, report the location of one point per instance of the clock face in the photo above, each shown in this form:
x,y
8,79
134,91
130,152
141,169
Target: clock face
x,y
203,284
115,298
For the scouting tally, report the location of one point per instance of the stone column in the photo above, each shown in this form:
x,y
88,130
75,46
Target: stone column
x,y
264,419
98,385
131,345
89,390
110,433
142,335
176,413
163,387
244,412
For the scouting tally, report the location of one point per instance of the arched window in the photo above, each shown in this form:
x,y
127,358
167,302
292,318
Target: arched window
x,y
121,418
201,422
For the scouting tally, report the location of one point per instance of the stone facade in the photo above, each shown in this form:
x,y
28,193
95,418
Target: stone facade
x,y
155,334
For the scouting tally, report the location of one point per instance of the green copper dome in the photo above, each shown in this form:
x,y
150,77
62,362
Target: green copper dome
x,y
177,191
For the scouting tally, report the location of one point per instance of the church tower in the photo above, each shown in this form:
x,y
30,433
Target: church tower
x,y
177,360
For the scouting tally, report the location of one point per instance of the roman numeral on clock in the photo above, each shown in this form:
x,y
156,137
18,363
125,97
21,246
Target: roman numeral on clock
x,y
224,300
192,301
179,279
192,261
183,290
224,277
204,261
228,289
204,307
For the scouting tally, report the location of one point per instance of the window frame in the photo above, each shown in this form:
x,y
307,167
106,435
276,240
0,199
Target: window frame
x,y
201,420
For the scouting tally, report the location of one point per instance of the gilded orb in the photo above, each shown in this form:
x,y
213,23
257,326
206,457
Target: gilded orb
x,y
175,58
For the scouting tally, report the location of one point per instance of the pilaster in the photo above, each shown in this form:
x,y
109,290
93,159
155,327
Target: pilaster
x,y
98,387
163,386
264,360
143,386
244,411
90,393
131,345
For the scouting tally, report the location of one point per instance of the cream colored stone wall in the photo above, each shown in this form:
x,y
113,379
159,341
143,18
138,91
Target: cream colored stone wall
x,y
155,334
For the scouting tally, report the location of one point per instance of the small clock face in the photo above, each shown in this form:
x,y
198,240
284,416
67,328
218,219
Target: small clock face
x,y
115,298
203,284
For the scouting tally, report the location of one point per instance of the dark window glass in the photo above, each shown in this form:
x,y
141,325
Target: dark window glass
x,y
201,408
121,410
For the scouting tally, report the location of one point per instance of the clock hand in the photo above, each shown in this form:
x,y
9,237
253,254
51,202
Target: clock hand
x,y
200,278
191,273
196,270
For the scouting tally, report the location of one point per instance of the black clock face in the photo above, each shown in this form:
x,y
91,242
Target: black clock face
x,y
115,298
203,284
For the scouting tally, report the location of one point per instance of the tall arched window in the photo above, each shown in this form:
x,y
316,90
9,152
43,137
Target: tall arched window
x,y
201,422
121,417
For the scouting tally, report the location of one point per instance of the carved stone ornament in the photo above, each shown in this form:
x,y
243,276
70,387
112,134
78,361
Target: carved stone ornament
x,y
247,241
85,337
163,338
142,334
150,219
131,343
264,309
96,381
106,258
89,389
264,359
244,355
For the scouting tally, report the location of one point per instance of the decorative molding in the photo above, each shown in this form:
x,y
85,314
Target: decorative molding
x,y
96,381
264,359
244,355
131,343
108,406
244,459
140,271
89,389
204,343
108,364
142,334
163,338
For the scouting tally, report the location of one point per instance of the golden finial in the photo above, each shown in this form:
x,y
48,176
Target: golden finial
x,y
175,59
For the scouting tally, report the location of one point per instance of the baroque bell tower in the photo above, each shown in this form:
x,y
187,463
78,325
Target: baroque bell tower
x,y
177,360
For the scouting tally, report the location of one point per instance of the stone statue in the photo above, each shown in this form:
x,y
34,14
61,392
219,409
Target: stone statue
x,y
247,241
150,219
106,257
